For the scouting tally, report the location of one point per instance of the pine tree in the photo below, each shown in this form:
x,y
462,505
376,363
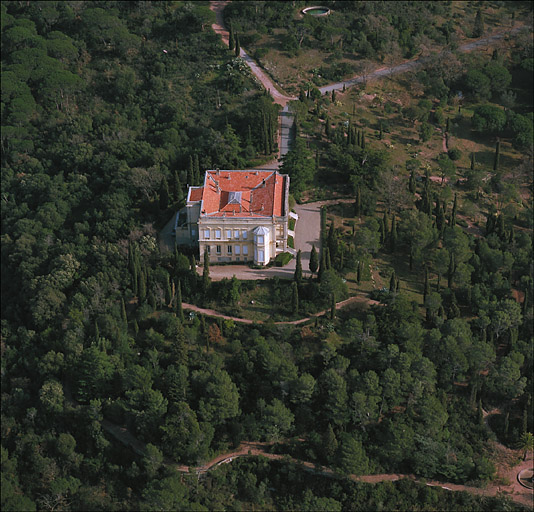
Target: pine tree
x,y
473,161
298,268
332,306
329,444
295,299
163,194
314,263
497,155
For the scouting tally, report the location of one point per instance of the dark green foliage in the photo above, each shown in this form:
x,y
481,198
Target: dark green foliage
x,y
314,263
298,268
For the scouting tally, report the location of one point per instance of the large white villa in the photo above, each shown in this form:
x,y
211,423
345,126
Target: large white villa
x,y
237,216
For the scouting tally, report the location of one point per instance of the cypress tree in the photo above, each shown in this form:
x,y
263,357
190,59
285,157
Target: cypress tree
x,y
327,259
178,302
473,161
152,301
206,273
295,299
298,268
451,270
397,288
134,280
363,140
358,203
142,286
393,235
135,327
163,194
237,47
314,263
380,134
448,125
193,264
177,187
392,282
426,289
359,272
97,333
332,306
454,210
317,160
168,292
327,128
478,29
322,266
497,155
124,318
382,232
190,172
196,170
385,220
231,39
333,96
412,184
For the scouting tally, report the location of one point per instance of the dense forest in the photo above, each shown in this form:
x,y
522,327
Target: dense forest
x,y
109,111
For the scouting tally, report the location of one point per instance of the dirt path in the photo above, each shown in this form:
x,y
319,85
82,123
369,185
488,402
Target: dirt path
x,y
282,99
339,305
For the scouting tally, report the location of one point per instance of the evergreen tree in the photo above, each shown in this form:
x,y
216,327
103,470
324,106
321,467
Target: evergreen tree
x,y
237,47
359,272
152,301
358,203
142,286
163,194
178,302
412,184
97,333
196,170
393,235
333,96
380,134
451,270
124,317
193,264
426,289
206,273
454,210
363,140
231,39
327,259
298,268
314,263
322,266
190,172
332,306
392,282
497,156
448,125
295,299
478,29
329,445
473,161
168,292
327,128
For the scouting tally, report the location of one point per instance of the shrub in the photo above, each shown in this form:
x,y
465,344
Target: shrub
x,y
455,154
292,224
291,242
283,259
489,118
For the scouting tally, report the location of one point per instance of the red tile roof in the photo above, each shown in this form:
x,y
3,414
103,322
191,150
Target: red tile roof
x,y
195,194
262,193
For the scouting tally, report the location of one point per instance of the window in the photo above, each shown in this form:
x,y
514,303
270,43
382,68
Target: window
x,y
208,249
245,235
245,250
218,234
236,234
228,234
229,249
259,239
218,249
237,249
206,234
260,256
193,232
